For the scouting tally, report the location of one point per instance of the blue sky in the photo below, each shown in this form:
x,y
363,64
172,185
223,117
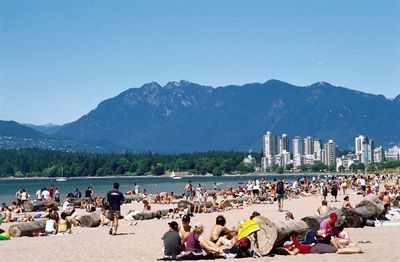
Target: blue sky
x,y
59,59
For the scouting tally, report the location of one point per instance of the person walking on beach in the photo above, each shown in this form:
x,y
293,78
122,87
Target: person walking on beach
x,y
280,194
115,199
18,196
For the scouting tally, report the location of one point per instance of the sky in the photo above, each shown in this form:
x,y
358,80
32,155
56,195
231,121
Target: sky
x,y
60,59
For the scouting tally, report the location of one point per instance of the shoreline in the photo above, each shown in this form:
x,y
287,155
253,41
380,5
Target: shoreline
x,y
292,174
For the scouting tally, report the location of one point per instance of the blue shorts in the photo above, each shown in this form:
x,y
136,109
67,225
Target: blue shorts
x,y
280,197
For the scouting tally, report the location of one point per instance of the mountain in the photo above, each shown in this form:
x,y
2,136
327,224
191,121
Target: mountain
x,y
48,129
184,116
12,128
15,135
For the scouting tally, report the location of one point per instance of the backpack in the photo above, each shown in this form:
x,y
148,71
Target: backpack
x,y
241,248
279,187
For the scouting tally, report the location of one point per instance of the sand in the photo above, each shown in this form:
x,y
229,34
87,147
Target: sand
x,y
142,242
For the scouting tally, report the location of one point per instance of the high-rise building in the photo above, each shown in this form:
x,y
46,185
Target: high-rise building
x,y
367,151
317,150
358,144
330,153
378,154
297,146
269,144
308,146
283,143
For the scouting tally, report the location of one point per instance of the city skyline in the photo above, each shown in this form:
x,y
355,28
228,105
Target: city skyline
x,y
60,59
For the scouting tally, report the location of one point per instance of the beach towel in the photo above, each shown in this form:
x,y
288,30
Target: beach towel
x,y
247,227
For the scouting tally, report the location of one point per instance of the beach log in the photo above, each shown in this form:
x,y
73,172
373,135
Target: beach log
x,y
150,214
373,203
313,222
132,198
27,228
90,220
272,234
36,205
186,204
231,201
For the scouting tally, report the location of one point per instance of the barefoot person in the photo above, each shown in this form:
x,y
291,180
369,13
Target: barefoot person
x,y
172,241
324,208
115,199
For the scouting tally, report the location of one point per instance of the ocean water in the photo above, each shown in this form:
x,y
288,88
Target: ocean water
x,y
153,185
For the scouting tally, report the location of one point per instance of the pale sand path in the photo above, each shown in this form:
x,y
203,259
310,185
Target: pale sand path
x,y
143,241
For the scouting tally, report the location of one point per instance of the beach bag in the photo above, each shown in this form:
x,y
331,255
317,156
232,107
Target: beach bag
x,y
241,248
310,237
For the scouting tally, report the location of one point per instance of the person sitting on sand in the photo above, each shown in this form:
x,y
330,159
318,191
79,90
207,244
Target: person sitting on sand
x,y
185,229
198,245
329,227
16,208
26,218
146,205
64,224
289,216
324,208
104,220
7,214
172,242
51,224
221,235
346,203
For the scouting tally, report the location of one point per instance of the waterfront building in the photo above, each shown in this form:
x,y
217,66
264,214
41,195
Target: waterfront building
x,y
297,145
317,150
308,145
378,155
330,153
283,143
367,150
393,153
250,160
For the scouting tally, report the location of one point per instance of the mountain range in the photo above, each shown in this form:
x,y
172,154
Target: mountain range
x,y
185,117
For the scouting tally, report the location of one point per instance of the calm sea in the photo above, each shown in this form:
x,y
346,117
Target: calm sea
x,y
153,185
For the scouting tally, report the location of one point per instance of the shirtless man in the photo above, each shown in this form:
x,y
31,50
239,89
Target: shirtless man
x,y
185,229
324,209
219,229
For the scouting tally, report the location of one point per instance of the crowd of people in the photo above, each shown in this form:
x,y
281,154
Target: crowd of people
x,y
188,241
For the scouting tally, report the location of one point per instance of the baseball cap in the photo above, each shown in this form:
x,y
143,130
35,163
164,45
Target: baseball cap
x,y
287,244
186,218
333,217
173,225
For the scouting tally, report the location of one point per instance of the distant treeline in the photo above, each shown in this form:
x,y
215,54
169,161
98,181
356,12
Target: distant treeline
x,y
48,163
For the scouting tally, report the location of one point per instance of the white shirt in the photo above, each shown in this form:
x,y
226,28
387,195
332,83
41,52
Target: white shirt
x,y
39,195
362,182
46,194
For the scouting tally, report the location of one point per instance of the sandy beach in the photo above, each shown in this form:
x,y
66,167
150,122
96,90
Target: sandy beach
x,y
142,242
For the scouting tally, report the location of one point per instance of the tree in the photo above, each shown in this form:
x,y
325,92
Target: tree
x,y
341,169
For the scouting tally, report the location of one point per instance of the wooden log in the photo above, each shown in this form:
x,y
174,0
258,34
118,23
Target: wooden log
x,y
32,206
353,218
240,200
27,228
132,198
90,220
313,222
77,202
150,214
373,203
272,234
186,204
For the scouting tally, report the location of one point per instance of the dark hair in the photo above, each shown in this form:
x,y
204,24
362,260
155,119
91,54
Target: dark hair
x,y
64,215
220,220
346,198
116,185
255,214
324,202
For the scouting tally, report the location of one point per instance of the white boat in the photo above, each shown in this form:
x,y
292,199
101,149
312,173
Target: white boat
x,y
62,178
173,176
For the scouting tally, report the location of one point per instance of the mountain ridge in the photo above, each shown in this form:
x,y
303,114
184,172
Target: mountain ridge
x,y
184,116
